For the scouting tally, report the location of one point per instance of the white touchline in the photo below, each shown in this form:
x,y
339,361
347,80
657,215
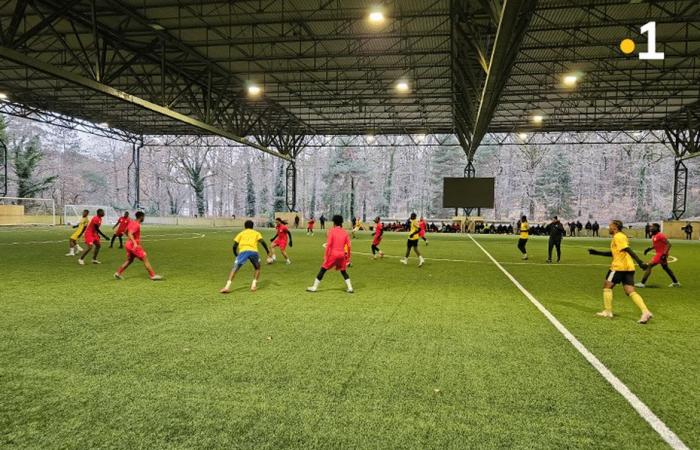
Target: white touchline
x,y
194,236
643,410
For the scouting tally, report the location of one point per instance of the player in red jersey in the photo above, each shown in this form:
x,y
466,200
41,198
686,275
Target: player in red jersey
x,y
92,238
281,238
422,226
310,226
134,249
337,254
378,233
120,226
661,247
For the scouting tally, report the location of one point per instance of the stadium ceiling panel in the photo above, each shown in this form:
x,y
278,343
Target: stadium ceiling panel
x,y
470,66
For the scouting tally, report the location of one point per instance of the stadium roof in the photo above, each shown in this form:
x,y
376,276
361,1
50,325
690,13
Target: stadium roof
x,y
471,66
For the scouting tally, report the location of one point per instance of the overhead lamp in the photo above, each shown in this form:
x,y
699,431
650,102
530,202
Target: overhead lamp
x,y
3,96
537,119
370,138
522,136
156,26
402,86
570,80
376,15
103,125
254,90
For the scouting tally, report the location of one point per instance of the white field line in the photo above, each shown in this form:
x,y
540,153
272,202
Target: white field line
x,y
182,236
642,409
671,259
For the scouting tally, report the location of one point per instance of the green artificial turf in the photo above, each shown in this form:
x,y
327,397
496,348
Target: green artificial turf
x,y
451,355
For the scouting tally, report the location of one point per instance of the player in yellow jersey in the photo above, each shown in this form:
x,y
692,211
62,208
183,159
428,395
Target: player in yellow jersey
x,y
80,227
524,230
245,248
412,243
621,271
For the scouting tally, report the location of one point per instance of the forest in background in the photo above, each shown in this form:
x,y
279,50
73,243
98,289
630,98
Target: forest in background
x,y
630,182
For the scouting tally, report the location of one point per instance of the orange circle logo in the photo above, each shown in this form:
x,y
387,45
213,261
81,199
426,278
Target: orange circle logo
x,y
627,46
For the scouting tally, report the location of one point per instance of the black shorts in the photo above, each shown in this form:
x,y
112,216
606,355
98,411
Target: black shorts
x,y
617,277
412,244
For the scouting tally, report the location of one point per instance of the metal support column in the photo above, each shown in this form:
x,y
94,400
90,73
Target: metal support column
x,y
680,189
5,164
470,172
133,179
685,144
291,187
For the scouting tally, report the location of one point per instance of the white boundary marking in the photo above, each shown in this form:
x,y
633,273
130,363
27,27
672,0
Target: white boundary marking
x,y
147,240
643,410
671,259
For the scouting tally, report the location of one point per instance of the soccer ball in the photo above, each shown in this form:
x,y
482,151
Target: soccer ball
x,y
269,260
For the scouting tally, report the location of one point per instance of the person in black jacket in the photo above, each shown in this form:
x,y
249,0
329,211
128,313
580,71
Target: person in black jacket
x,y
556,232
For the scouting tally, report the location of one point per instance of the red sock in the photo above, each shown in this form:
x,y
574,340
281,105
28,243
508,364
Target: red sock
x,y
151,273
120,270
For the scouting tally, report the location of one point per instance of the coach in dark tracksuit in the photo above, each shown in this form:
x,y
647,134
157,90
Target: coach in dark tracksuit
x,y
556,233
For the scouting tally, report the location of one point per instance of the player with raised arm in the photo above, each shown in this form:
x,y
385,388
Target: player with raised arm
x,y
80,227
337,254
621,271
662,248
92,237
120,227
412,242
245,248
378,233
281,238
134,249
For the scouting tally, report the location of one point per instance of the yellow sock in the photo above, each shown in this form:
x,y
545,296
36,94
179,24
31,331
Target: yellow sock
x,y
607,299
637,299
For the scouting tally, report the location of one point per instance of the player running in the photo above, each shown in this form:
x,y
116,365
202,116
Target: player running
x,y
337,254
134,249
73,245
423,226
245,248
378,233
92,238
524,235
661,247
120,226
621,271
358,225
412,243
310,226
280,239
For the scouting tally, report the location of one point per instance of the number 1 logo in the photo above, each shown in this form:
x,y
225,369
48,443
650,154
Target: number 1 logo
x,y
650,29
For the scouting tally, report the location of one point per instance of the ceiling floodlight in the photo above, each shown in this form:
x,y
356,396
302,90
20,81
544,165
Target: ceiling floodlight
x,y
254,90
402,87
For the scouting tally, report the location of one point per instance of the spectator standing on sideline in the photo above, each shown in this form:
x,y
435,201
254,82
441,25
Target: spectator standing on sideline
x,y
688,231
596,228
556,233
647,231
579,227
296,221
322,220
588,228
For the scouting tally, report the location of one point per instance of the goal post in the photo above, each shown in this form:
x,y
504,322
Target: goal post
x,y
73,213
19,211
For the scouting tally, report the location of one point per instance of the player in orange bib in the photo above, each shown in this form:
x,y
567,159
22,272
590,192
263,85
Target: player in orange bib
x,y
281,239
92,238
337,254
134,249
120,229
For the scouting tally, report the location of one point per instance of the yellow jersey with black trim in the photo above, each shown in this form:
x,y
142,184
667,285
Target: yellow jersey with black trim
x,y
413,231
248,240
81,227
524,230
621,260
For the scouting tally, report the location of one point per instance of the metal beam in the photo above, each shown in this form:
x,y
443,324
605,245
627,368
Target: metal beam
x,y
21,58
514,18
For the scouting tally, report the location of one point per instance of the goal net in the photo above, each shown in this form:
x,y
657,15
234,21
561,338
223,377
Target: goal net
x,y
27,211
73,213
